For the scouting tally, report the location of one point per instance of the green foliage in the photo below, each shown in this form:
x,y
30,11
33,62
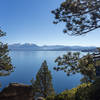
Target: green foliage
x,y
2,33
50,97
68,63
82,93
85,91
5,61
72,63
72,94
90,92
79,16
87,68
43,83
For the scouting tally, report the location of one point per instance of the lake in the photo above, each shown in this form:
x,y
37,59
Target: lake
x,y
27,64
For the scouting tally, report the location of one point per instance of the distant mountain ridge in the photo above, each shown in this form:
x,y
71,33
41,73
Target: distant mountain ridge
x,y
25,46
34,47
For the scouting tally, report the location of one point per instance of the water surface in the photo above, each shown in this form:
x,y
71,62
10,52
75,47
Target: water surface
x,y
27,64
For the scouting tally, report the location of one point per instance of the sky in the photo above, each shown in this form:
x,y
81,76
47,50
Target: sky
x,y
30,21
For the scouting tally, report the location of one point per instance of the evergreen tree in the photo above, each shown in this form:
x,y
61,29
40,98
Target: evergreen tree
x,y
5,61
79,16
43,84
72,63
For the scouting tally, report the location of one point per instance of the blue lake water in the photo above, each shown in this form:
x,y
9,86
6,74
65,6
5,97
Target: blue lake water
x,y
27,64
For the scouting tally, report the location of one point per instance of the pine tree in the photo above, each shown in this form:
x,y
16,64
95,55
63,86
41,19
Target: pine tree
x,y
72,63
5,61
78,16
43,84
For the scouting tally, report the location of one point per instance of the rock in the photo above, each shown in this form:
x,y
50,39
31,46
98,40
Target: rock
x,y
40,98
16,91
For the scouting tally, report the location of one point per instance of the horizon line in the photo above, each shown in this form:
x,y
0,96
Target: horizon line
x,y
53,44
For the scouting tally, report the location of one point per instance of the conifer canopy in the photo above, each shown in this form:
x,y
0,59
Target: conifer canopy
x,y
43,83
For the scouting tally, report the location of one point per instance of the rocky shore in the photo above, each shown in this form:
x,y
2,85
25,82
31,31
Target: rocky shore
x,y
16,91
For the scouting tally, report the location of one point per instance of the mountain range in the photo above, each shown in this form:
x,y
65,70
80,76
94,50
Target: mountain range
x,y
34,47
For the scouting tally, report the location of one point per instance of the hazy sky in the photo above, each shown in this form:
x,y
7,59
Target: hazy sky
x,y
30,21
